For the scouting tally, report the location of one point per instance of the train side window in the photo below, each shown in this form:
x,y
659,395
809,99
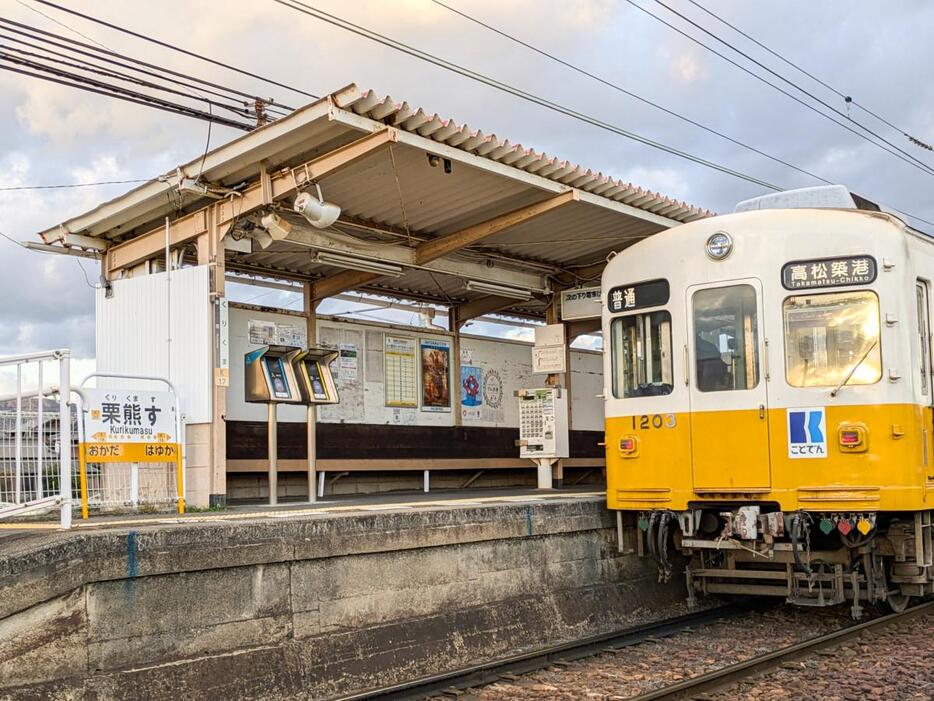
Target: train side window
x,y
726,338
641,355
831,338
924,335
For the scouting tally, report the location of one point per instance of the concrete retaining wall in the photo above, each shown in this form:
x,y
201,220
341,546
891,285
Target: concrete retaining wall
x,y
310,607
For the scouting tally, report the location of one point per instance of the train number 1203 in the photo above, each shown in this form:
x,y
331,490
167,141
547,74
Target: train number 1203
x,y
647,421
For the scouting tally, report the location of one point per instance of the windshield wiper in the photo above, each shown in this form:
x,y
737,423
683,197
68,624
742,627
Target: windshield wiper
x,y
853,369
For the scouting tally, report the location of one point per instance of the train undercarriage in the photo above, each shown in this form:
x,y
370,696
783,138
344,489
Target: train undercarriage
x,y
809,558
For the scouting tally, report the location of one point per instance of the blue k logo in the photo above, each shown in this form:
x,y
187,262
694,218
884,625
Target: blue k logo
x,y
807,433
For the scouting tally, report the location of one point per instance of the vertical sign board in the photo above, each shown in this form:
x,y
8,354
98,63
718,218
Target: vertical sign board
x,y
130,426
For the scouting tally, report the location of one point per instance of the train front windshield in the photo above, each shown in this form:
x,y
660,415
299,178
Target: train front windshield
x,y
829,337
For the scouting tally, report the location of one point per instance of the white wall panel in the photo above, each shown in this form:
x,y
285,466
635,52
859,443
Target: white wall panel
x,y
132,334
363,398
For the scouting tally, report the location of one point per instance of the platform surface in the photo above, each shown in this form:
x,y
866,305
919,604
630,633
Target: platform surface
x,y
349,504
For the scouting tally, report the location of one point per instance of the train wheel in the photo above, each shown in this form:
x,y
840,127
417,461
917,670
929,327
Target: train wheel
x,y
897,601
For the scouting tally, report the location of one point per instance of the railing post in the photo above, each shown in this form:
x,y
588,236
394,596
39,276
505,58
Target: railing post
x,y
64,393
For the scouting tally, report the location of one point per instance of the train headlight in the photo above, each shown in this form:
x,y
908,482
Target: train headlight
x,y
719,245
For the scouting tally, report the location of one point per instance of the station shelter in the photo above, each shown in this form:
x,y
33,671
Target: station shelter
x,y
396,204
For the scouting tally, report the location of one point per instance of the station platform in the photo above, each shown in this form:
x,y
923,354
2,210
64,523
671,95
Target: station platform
x,y
337,504
312,601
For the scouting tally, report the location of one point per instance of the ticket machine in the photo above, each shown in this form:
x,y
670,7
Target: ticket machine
x,y
269,376
276,375
312,368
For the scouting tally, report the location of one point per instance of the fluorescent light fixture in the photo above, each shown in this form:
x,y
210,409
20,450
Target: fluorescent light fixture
x,y
353,263
320,214
497,290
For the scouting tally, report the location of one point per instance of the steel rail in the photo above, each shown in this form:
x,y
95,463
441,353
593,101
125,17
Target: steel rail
x,y
523,663
727,676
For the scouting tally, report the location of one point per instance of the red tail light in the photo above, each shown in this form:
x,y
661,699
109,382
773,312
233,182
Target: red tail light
x,y
627,445
849,437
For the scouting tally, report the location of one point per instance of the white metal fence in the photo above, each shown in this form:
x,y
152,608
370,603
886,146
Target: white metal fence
x,y
36,436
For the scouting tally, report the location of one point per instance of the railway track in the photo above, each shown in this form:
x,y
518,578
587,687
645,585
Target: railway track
x,y
524,663
718,680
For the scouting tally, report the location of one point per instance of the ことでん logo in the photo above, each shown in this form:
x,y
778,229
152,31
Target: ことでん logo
x,y
807,433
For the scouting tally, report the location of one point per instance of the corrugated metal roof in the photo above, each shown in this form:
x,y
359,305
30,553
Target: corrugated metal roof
x,y
395,195
415,120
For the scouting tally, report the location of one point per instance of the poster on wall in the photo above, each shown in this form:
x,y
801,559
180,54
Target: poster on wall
x,y
262,333
471,389
270,333
401,380
347,364
436,375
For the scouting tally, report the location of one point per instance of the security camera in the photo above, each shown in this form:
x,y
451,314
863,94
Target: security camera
x,y
320,214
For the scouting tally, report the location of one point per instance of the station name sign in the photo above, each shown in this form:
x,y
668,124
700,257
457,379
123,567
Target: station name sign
x,y
829,272
625,298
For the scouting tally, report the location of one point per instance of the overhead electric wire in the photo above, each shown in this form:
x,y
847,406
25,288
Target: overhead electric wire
x,y
894,150
304,8
62,42
70,185
473,75
37,65
51,52
789,82
166,45
617,87
90,85
847,98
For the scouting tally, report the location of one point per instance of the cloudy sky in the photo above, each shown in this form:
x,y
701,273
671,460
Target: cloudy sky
x,y
56,135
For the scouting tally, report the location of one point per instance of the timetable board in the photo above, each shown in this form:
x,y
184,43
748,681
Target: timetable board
x,y
401,371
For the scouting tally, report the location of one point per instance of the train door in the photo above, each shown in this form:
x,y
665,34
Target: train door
x,y
729,404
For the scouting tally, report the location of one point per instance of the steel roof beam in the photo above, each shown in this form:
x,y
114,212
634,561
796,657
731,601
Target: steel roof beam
x,y
262,193
434,249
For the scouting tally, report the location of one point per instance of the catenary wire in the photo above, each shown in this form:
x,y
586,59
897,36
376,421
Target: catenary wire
x,y
163,44
616,86
891,148
529,97
131,96
92,64
94,52
70,185
38,65
442,63
847,98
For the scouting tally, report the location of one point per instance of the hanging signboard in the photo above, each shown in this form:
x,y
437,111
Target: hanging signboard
x,y
580,303
129,426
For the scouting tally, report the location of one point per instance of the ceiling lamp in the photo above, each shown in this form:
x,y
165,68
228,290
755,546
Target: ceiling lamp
x,y
497,290
363,264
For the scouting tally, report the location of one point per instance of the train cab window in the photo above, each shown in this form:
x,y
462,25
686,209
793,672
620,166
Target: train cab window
x,y
726,338
641,355
924,335
832,338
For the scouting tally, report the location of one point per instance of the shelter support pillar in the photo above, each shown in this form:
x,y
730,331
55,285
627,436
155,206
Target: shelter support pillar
x,y
553,316
211,253
454,326
311,330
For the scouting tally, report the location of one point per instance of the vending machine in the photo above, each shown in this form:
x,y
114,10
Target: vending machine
x,y
543,428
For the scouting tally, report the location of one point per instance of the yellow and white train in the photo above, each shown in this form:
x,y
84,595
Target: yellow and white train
x,y
769,400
